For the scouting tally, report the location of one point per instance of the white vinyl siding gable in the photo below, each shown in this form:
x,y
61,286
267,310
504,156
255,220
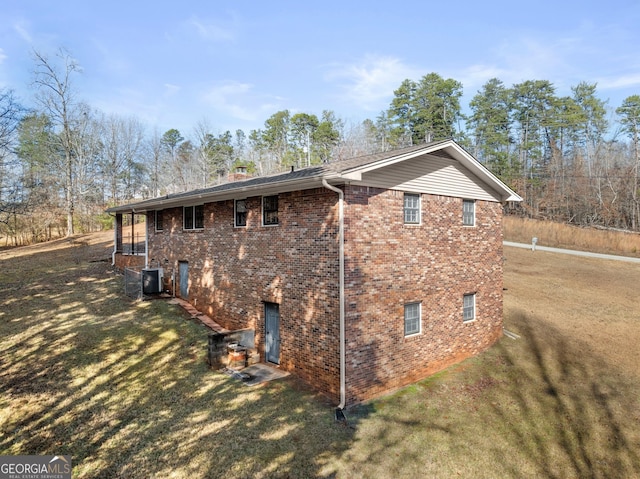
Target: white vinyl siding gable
x,y
433,175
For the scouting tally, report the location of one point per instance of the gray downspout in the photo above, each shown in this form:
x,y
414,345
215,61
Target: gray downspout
x,y
342,298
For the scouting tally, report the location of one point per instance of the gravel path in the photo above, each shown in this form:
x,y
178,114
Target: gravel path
x,y
574,252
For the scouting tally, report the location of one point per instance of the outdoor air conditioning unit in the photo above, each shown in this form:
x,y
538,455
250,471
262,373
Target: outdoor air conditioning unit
x,y
152,280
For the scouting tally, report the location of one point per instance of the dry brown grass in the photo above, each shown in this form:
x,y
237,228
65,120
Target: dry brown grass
x,y
560,235
123,387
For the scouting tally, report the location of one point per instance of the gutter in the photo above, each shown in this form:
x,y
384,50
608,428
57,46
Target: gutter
x,y
186,199
342,296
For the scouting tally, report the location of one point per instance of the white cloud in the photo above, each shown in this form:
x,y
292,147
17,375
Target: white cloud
x,y
371,82
112,62
239,100
171,89
473,77
22,30
529,58
209,31
622,81
565,61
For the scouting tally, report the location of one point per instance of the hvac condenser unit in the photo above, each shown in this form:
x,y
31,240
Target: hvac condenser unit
x,y
152,281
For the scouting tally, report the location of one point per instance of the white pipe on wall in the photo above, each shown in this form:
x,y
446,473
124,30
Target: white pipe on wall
x,y
342,298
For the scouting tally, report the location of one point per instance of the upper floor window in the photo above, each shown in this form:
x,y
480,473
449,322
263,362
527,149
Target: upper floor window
x,y
270,210
193,217
159,221
240,212
468,212
412,318
411,208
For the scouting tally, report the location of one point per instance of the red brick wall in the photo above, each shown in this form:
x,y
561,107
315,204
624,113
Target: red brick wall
x,y
389,264
233,271
123,261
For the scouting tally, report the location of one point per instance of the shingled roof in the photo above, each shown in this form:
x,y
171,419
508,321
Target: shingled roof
x,y
336,172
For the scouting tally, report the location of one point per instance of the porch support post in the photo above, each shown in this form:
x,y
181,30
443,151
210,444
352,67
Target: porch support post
x,y
118,247
133,241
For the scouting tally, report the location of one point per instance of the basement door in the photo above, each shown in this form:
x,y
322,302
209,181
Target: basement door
x,y
272,332
184,279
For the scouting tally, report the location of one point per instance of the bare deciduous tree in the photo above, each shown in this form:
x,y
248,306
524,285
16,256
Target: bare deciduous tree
x,y
10,114
123,141
56,96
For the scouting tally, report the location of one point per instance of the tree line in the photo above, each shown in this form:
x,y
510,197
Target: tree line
x,y
62,162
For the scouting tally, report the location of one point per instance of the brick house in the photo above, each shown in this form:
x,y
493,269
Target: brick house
x,y
359,276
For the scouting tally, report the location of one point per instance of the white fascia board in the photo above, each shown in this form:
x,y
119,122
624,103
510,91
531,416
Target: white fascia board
x,y
352,176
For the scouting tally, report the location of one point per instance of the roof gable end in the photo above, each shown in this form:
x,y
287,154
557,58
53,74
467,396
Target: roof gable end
x,y
448,149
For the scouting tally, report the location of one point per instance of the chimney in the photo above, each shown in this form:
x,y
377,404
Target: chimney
x,y
239,175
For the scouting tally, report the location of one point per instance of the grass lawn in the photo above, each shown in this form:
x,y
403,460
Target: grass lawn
x,y
124,387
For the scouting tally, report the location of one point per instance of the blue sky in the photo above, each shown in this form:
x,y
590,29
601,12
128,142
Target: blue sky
x,y
234,64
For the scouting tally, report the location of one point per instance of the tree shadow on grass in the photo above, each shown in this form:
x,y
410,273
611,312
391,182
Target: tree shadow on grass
x,y
540,406
124,387
569,412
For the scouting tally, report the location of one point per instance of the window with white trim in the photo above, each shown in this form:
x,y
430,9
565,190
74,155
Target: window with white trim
x,y
270,210
469,307
412,313
159,220
193,217
240,207
468,212
411,208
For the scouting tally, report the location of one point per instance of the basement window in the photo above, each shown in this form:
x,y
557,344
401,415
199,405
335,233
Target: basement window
x,y
411,209
468,212
270,210
193,217
468,307
240,207
412,313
